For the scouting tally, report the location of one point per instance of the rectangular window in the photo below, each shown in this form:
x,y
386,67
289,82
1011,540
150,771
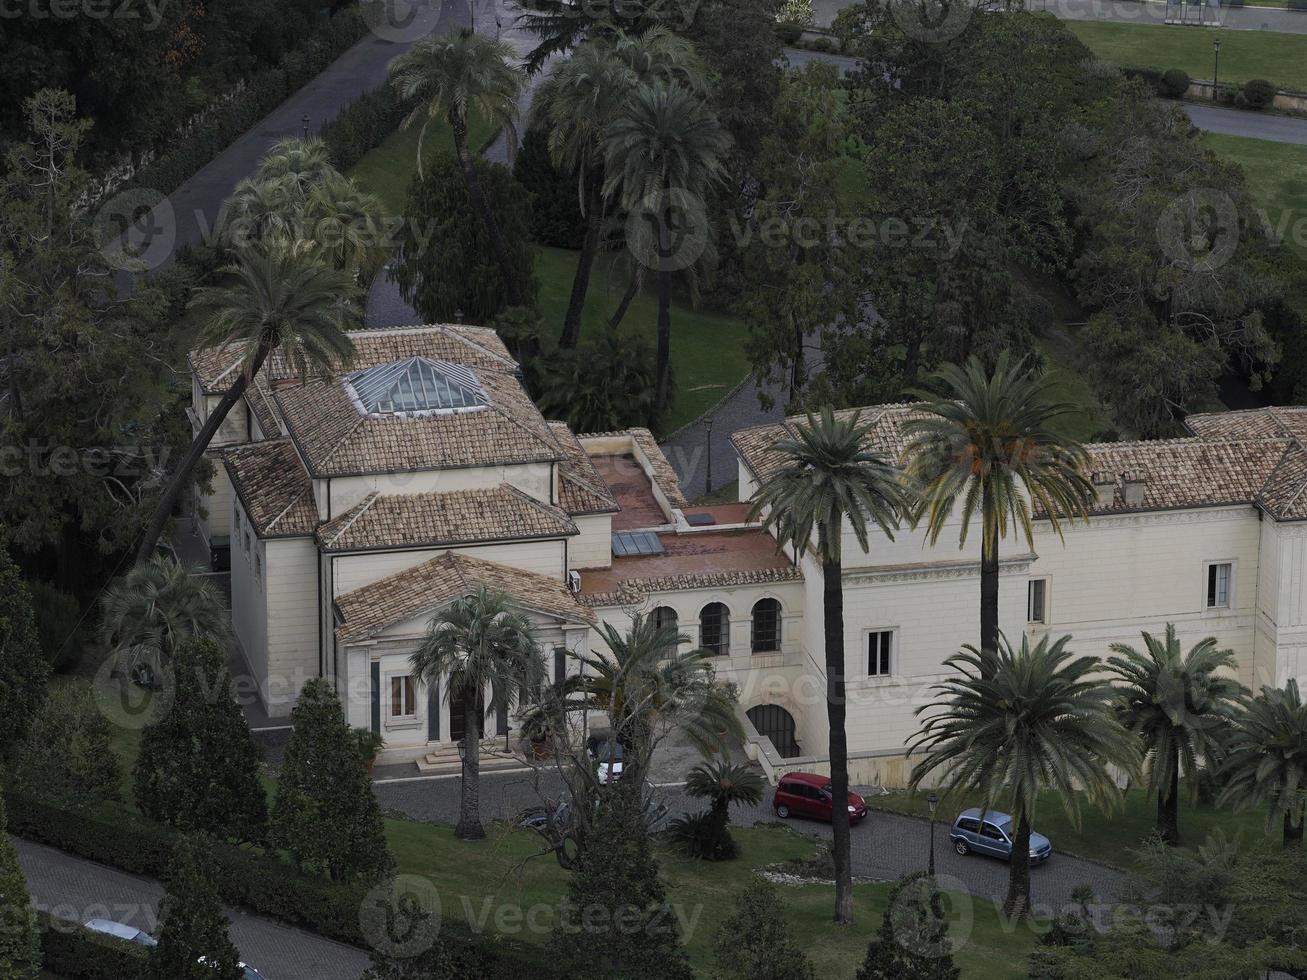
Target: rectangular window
x,y
560,666
403,703
1218,585
1036,590
880,650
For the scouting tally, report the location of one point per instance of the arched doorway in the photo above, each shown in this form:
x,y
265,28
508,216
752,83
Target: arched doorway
x,y
777,724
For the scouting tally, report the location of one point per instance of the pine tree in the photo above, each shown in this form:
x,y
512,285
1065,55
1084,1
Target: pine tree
x,y
912,942
23,669
20,942
198,767
754,944
192,923
616,923
325,812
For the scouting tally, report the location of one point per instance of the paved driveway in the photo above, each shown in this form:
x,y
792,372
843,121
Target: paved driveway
x,y
1254,125
71,888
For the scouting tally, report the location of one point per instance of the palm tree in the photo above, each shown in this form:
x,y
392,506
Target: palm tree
x,y
150,610
1018,721
345,226
647,686
277,297
579,101
453,76
660,156
297,164
480,642
1267,759
724,783
1181,707
604,385
826,481
988,443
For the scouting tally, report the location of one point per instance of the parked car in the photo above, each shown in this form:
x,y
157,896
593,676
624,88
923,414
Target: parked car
x,y
608,753
121,930
806,794
993,836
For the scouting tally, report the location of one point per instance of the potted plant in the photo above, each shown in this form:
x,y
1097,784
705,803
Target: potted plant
x,y
537,729
369,746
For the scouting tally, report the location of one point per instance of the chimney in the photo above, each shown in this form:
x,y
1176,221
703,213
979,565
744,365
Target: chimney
x,y
1104,487
1134,483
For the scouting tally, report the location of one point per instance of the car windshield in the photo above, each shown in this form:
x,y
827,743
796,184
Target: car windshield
x,y
1006,827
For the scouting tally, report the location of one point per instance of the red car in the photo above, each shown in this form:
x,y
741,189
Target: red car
x,y
806,794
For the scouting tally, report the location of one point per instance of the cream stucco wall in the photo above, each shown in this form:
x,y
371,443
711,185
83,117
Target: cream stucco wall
x,y
593,547
336,495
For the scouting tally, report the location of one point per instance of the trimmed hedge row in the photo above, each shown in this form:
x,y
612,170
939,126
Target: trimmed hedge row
x,y
263,92
112,834
362,125
70,951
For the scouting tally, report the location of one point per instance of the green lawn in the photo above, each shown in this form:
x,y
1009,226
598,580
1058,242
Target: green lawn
x,y
708,356
476,880
1279,58
1277,178
1101,837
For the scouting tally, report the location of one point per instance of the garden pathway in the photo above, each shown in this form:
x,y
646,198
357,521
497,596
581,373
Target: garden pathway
x,y
72,888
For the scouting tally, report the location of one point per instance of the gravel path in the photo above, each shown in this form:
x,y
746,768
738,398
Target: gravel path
x,y
71,888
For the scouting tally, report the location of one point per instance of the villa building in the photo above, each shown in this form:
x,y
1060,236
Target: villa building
x,y
354,509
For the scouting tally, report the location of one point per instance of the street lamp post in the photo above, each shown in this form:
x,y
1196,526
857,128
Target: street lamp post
x,y
304,126
933,802
1216,70
707,424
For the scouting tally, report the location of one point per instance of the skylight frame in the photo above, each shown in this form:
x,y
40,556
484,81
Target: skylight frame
x,y
418,382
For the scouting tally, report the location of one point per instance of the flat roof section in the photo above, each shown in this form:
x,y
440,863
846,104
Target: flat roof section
x,y
632,489
690,556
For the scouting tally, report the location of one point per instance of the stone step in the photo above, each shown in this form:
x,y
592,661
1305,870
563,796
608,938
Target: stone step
x,y
445,763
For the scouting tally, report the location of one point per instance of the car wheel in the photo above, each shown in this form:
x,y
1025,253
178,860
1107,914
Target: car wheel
x,y
961,847
783,812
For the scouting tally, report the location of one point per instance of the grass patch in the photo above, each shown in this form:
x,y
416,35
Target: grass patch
x,y
1100,836
388,170
1278,58
490,882
1277,179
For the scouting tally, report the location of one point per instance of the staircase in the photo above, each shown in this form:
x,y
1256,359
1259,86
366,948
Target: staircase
x,y
443,759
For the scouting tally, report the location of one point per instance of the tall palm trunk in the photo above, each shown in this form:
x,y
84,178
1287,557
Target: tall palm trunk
x,y
664,359
833,612
182,477
1168,804
584,264
989,598
1292,830
632,288
469,803
475,191
1017,903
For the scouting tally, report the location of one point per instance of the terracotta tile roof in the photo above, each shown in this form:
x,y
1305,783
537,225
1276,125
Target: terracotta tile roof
x,y
450,517
369,610
336,439
1245,457
270,481
635,591
264,408
476,347
663,474
581,489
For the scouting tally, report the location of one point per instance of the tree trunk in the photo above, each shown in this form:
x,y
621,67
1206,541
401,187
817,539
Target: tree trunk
x,y
181,479
469,804
664,358
1292,831
474,190
989,598
833,612
1017,903
632,289
1168,805
584,264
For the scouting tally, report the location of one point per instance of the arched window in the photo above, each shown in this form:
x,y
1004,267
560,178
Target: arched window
x,y
715,628
766,632
664,618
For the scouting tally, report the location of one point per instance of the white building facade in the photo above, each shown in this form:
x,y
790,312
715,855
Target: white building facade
x,y
356,508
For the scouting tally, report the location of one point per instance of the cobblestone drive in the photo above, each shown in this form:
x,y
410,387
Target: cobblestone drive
x,y
72,888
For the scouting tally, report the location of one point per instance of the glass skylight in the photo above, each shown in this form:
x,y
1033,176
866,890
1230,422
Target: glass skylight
x,y
416,386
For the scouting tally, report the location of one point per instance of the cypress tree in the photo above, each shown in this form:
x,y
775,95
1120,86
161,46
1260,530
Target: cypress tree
x,y
192,923
912,942
20,940
23,668
753,943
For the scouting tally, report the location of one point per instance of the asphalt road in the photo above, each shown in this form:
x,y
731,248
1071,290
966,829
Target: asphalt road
x,y
1254,125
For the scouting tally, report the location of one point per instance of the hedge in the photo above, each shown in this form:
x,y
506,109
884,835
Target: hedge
x,y
363,125
70,951
225,122
113,834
